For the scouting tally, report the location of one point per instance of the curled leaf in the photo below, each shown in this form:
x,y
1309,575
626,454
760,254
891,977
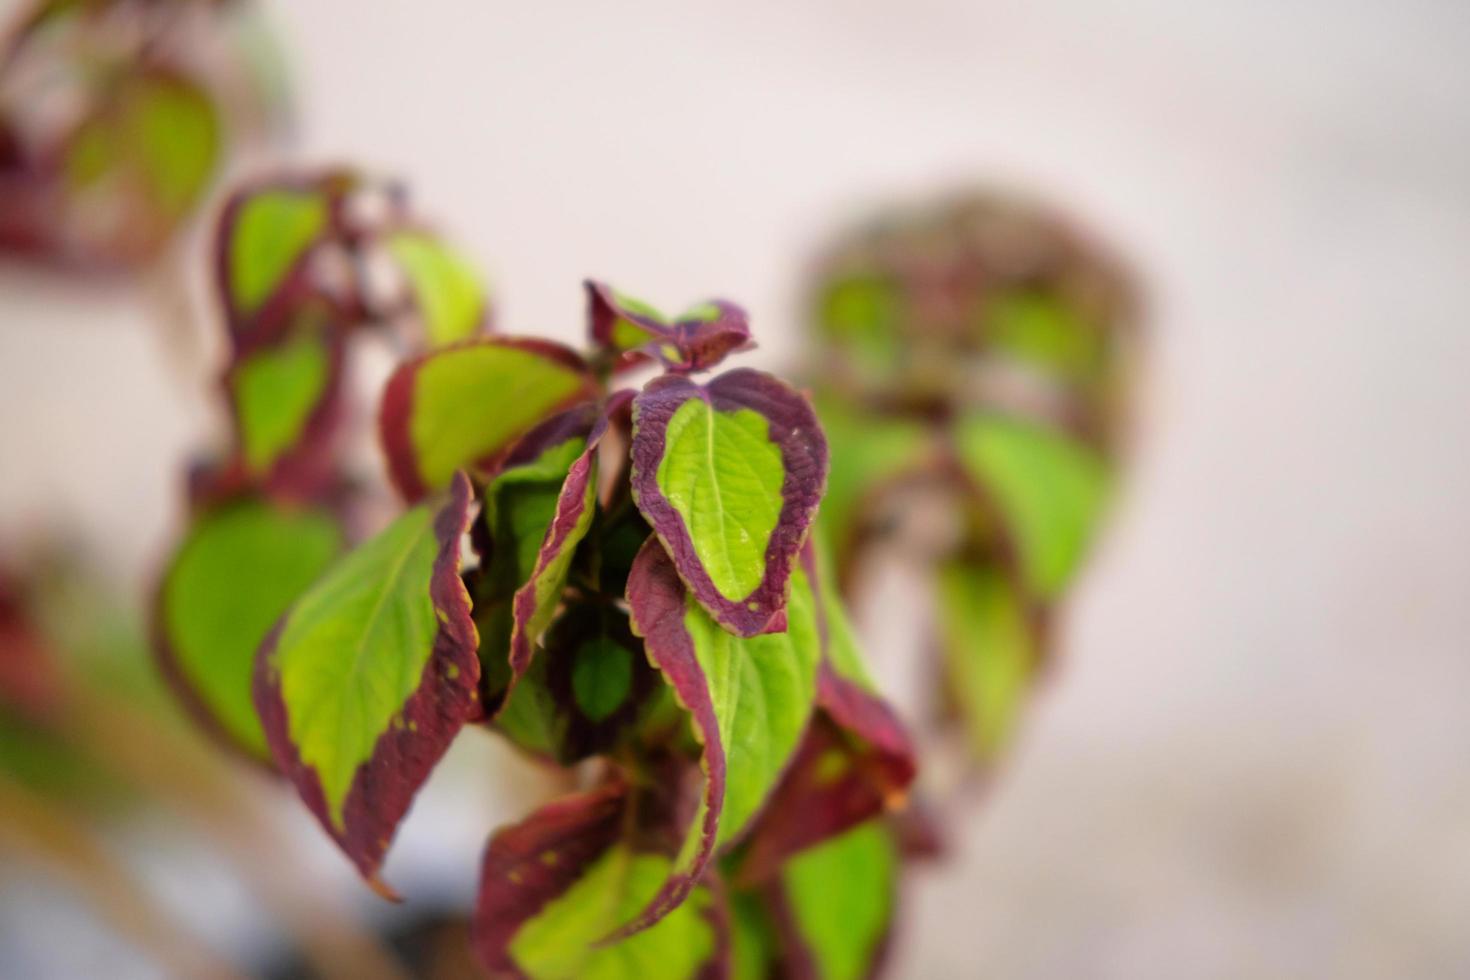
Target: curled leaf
x,y
748,700
235,573
697,340
555,884
729,475
364,683
466,406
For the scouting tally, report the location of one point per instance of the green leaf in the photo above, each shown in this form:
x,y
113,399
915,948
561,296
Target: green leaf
x,y
372,673
990,652
554,885
869,454
1040,327
560,941
467,405
277,389
840,897
266,233
238,569
1048,489
161,140
449,292
723,475
748,700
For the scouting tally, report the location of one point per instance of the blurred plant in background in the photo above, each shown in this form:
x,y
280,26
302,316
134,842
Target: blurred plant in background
x,y
972,363
116,116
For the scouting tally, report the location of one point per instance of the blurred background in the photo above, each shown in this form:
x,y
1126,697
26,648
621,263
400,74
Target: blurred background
x,y
1253,762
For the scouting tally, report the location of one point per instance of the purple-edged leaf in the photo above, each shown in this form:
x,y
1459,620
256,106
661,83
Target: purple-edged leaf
x,y
553,886
237,570
535,602
856,761
285,401
264,239
834,906
749,700
464,407
447,291
729,475
697,340
364,683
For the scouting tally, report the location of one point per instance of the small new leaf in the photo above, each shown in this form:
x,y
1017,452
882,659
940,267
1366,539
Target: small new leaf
x,y
697,341
729,475
366,680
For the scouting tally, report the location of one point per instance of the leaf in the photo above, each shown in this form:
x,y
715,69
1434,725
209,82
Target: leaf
x,y
586,692
698,340
285,398
265,233
870,453
856,761
366,680
449,293
862,314
729,475
990,650
836,905
465,406
1048,490
748,700
553,886
537,599
238,569
156,144
1042,328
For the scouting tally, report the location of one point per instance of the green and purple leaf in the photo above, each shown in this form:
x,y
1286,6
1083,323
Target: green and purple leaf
x,y
1049,491
553,886
286,403
465,407
237,570
990,642
448,293
729,475
856,760
749,700
536,601
264,241
366,680
834,906
696,341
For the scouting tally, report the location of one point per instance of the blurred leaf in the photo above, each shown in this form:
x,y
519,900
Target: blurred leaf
x,y
236,572
1048,489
